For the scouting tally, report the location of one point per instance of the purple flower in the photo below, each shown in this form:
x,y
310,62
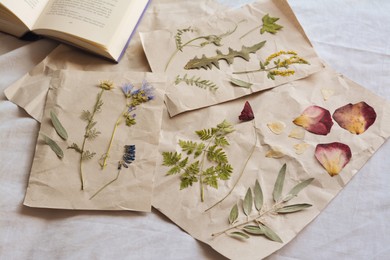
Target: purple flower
x,y
148,90
127,88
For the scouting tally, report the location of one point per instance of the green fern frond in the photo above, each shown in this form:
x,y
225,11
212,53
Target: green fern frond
x,y
171,158
217,155
221,141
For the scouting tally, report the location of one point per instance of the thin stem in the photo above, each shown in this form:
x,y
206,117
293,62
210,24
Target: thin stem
x,y
201,169
242,171
81,163
105,186
250,32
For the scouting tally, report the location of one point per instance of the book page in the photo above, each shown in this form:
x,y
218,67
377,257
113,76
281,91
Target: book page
x,y
95,20
28,11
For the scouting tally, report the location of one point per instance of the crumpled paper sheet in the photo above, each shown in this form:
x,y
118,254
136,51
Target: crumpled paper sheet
x,y
184,206
183,97
29,92
55,183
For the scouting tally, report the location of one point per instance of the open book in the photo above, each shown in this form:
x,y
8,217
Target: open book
x,y
99,26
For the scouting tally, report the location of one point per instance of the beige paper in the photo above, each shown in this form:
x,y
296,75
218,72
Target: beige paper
x,y
29,92
56,183
280,104
166,57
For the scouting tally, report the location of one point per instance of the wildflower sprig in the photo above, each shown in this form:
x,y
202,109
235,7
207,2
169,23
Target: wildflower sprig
x,y
127,158
134,98
196,81
254,223
91,132
281,61
192,170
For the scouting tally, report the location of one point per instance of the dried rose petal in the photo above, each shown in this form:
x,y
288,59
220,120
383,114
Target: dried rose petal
x,y
316,120
297,133
276,127
301,148
333,156
275,152
246,113
355,118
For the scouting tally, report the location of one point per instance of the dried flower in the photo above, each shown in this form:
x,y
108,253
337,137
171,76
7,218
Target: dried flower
x,y
316,120
246,113
333,156
106,85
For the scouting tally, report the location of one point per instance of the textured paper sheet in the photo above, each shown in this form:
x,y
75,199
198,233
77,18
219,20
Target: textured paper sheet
x,y
165,57
279,104
29,92
56,183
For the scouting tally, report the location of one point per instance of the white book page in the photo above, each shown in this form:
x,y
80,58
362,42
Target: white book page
x,y
28,11
95,20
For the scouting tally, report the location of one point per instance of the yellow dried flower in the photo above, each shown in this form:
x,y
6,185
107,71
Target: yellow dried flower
x,y
106,84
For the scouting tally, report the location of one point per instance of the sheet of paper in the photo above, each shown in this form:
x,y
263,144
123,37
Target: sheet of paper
x,y
283,105
29,92
76,181
203,57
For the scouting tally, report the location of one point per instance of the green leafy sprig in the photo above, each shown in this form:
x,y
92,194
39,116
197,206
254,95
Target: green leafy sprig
x,y
268,25
254,223
197,81
192,169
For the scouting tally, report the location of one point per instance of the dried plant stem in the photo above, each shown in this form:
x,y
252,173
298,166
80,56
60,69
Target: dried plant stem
x,y
201,186
251,71
105,186
257,27
242,171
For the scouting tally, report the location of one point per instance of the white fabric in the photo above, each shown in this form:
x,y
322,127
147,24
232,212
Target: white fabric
x,y
351,36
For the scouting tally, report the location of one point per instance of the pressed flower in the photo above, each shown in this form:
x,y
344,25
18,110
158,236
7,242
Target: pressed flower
x,y
316,120
333,156
106,84
127,88
356,118
246,113
301,148
297,133
277,127
275,153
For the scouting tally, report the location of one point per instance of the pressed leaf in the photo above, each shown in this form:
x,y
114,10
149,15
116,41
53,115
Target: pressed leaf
x,y
58,126
253,230
270,25
53,145
248,201
297,188
240,83
233,214
278,188
258,196
293,208
270,234
238,234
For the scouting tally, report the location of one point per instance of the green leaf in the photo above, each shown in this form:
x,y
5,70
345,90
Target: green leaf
x,y
253,230
270,234
278,188
221,141
86,115
75,147
217,155
293,208
258,196
170,158
233,214
224,171
58,126
270,25
297,188
187,180
53,145
248,201
205,134
87,155
174,170
238,234
240,83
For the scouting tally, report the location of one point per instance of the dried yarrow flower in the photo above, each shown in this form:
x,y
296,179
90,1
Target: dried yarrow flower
x,y
316,120
356,118
333,156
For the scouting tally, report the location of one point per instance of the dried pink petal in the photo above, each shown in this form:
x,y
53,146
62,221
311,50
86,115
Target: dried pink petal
x,y
316,120
333,156
246,113
355,118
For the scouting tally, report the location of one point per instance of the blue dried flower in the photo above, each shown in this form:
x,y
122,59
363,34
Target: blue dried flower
x,y
148,90
127,88
128,156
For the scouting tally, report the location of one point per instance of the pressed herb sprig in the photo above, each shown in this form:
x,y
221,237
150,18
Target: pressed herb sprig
x,y
196,81
280,66
254,223
194,170
127,158
60,131
134,98
268,25
90,132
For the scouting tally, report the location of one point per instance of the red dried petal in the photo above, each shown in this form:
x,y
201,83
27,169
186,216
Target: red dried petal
x,y
246,113
356,118
333,156
316,120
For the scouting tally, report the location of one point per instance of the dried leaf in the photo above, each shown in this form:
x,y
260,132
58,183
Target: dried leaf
x,y
58,126
238,234
301,148
233,214
277,127
275,152
247,204
297,188
270,234
53,145
278,187
297,133
293,208
270,25
209,62
258,196
253,230
240,83
333,156
327,93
